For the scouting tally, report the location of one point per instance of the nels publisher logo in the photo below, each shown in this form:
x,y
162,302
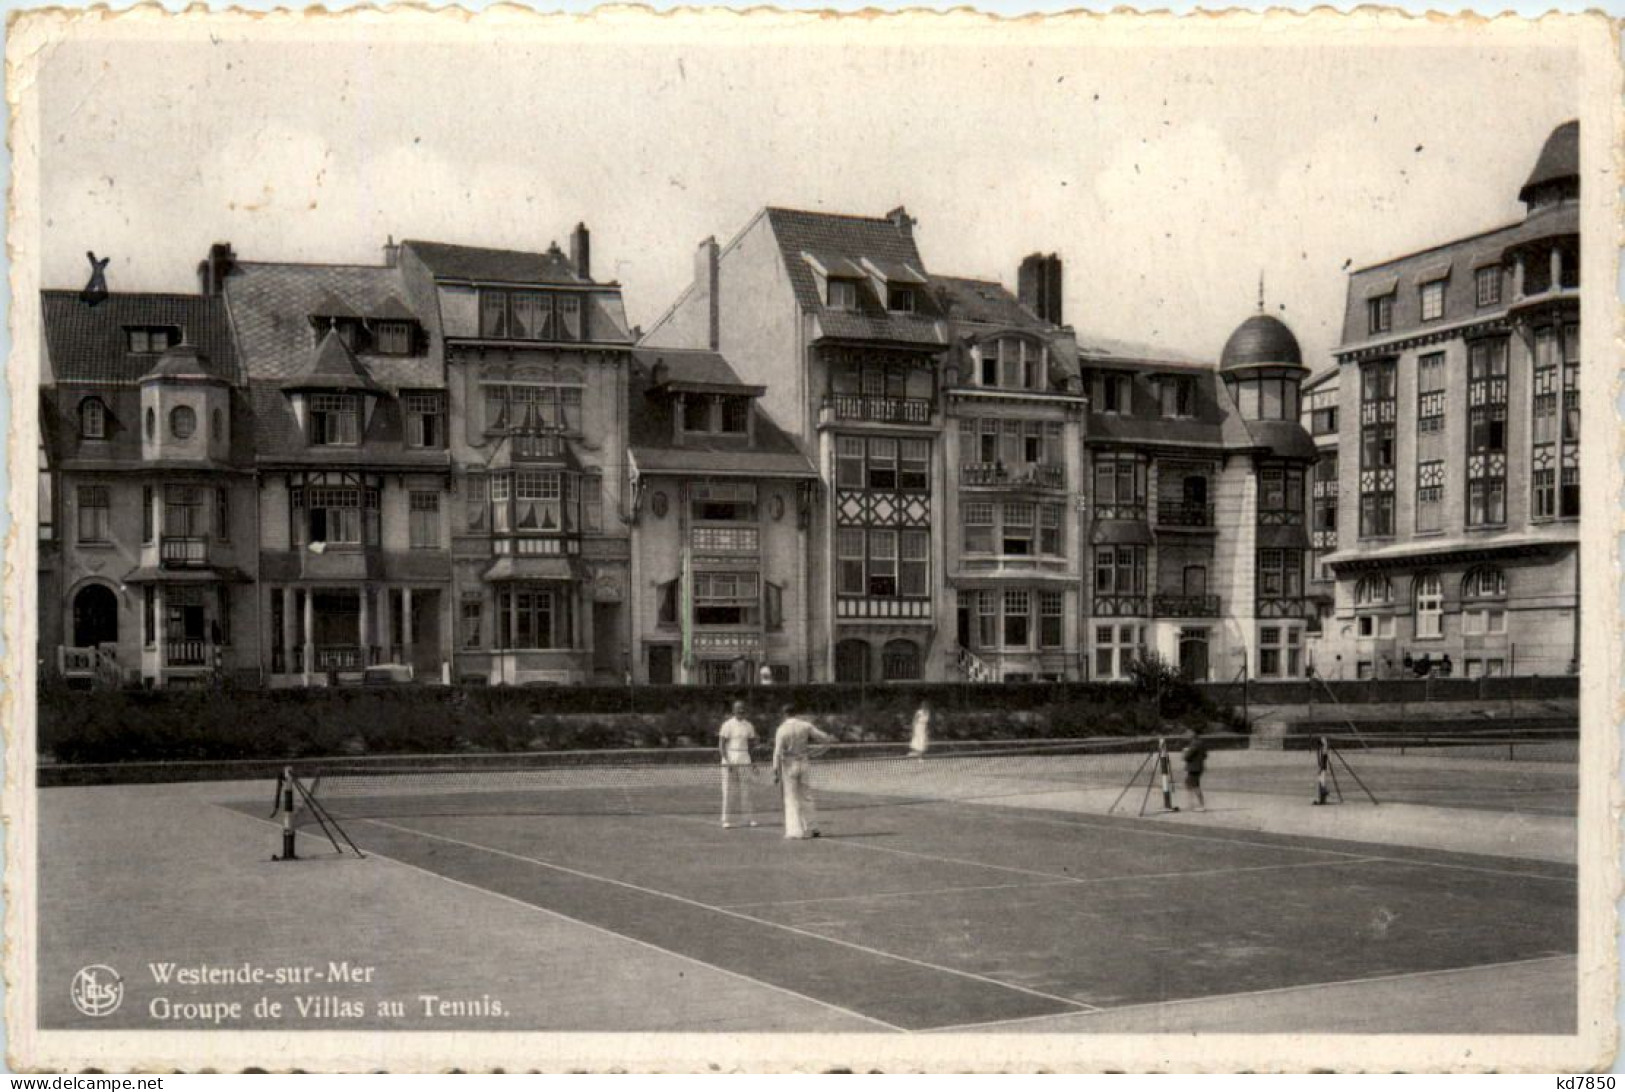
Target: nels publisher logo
x,y
97,990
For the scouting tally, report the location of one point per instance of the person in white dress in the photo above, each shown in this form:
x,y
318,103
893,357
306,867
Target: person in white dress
x,y
792,758
734,742
920,742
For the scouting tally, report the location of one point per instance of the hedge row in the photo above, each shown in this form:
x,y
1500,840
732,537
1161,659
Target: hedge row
x,y
127,726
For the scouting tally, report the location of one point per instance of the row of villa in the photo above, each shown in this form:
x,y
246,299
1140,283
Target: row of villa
x,y
824,462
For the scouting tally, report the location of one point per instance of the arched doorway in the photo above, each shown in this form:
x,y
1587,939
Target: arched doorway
x,y
852,661
95,616
900,661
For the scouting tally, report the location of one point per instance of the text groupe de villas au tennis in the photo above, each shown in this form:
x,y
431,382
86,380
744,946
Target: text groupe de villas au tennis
x,y
317,1006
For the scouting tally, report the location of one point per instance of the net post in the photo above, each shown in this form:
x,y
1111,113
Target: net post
x,y
1323,768
1164,768
285,804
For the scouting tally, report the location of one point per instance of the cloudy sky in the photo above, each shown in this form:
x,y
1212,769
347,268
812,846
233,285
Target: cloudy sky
x,y
1168,178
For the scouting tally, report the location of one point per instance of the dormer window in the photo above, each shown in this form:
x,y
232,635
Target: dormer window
x,y
151,339
900,298
334,419
1432,301
392,338
1178,394
843,295
1013,364
721,415
525,315
92,419
1112,393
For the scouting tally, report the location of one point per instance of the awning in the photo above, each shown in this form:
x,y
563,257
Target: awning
x,y
551,567
1430,273
1121,532
1486,258
1283,537
201,574
1386,286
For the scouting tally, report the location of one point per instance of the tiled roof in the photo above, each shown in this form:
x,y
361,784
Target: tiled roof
x,y
882,240
271,305
279,439
1404,276
87,344
332,366
693,368
448,261
650,430
985,302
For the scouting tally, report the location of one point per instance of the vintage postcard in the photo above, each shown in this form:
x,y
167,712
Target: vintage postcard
x,y
784,542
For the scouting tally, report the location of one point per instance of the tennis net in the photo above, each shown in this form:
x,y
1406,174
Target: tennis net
x,y
689,780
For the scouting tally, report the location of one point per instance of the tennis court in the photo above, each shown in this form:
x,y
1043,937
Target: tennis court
x,y
978,889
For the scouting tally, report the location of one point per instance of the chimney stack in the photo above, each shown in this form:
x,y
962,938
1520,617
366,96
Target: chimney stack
x,y
706,268
392,252
581,252
904,222
213,270
1038,286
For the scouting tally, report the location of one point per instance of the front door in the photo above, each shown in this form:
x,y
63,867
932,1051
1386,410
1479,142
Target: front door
x,y
662,665
95,616
1193,654
425,635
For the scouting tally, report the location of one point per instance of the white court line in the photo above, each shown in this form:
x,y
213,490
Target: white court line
x,y
734,914
1305,987
1084,824
902,894
600,929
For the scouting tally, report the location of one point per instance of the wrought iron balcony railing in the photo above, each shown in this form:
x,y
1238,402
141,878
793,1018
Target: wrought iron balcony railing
x,y
1184,514
869,407
1185,606
183,552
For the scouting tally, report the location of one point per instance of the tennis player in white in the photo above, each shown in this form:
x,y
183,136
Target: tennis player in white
x,y
921,740
793,747
734,741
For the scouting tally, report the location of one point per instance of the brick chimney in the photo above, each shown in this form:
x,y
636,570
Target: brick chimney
x,y
581,252
904,222
707,260
392,252
1038,285
213,270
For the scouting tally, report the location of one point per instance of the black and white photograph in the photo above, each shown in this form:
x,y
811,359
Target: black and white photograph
x,y
768,542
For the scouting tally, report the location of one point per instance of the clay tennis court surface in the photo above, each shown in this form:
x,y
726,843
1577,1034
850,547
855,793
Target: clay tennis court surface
x,y
1024,912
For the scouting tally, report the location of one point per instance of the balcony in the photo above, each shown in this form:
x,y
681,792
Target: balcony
x,y
1112,510
881,410
1185,606
1032,475
882,608
186,652
177,552
1185,515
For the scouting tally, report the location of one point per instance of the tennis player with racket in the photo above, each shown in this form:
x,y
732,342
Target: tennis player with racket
x,y
794,745
734,741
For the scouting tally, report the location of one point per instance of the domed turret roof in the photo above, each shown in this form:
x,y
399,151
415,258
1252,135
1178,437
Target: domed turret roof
x,y
1559,159
1262,339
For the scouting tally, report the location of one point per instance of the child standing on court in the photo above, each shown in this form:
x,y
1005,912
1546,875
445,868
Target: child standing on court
x,y
734,741
792,756
1195,762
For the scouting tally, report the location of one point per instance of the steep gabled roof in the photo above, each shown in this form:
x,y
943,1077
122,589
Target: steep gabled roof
x,y
87,343
272,303
771,453
332,366
887,243
449,261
